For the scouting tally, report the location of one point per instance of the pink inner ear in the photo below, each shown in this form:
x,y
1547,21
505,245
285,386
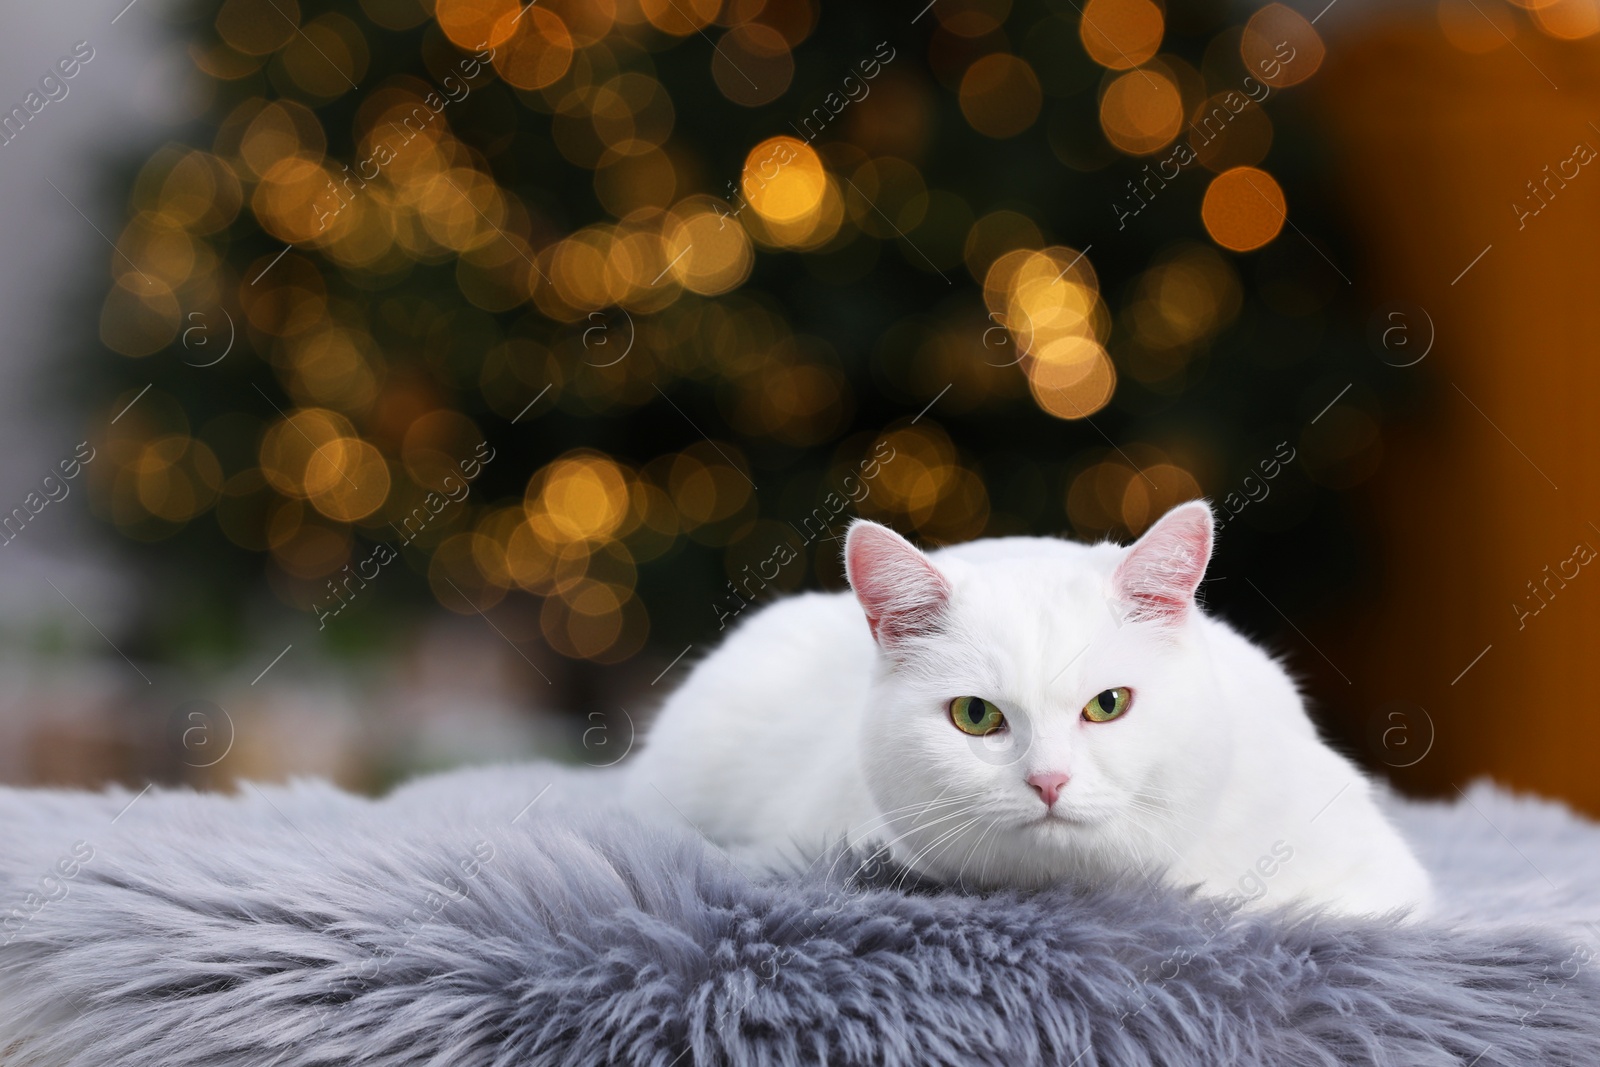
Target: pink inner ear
x,y
1156,580
902,593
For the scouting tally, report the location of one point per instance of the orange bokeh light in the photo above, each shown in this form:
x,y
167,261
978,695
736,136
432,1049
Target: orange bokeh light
x,y
1142,111
475,24
1569,20
537,52
1243,209
1071,377
783,179
1121,34
1281,47
1000,95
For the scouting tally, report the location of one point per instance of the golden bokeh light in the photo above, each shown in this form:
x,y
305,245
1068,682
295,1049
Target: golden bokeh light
x,y
1125,490
396,14
581,497
680,18
794,396
975,357
1189,294
995,234
199,192
595,621
1243,209
923,467
1041,296
635,175
707,489
292,299
752,64
708,252
245,509
1048,295
1000,95
783,180
537,566
327,57
221,62
972,18
457,580
474,24
537,52
139,323
811,230
887,197
434,446
658,526
1229,130
346,479
177,477
1153,492
167,253
1142,110
576,267
269,134
1568,20
286,202
1121,34
333,367
588,21
289,445
1281,47
256,29
627,266
795,19
310,550
1070,377
558,249
925,484
489,543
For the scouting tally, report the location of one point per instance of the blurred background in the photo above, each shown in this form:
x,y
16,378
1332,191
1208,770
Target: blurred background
x,y
395,384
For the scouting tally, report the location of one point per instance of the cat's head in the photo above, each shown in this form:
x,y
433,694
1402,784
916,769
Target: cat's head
x,y
1041,709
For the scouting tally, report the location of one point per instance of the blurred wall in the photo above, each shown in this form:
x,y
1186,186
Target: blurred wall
x,y
55,220
1483,637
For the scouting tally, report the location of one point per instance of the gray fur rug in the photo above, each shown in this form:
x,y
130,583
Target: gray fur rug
x,y
499,917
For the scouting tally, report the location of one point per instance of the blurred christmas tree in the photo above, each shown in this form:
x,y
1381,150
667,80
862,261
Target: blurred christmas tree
x,y
602,317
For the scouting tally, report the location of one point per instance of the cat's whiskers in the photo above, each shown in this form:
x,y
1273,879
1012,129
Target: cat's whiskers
x,y
1157,803
863,830
983,876
855,832
1160,800
1164,815
887,848
1137,862
987,830
1160,817
948,836
924,805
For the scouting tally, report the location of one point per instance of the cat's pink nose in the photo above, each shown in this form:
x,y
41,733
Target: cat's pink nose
x,y
1048,786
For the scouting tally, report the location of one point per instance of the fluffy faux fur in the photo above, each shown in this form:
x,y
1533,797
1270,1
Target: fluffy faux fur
x,y
503,917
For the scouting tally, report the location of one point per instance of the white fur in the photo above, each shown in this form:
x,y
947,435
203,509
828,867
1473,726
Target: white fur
x,y
800,731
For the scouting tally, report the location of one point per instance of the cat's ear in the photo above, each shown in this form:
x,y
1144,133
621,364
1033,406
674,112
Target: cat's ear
x,y
901,591
1156,580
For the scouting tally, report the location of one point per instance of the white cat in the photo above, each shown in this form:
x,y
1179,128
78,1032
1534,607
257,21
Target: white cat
x,y
1019,712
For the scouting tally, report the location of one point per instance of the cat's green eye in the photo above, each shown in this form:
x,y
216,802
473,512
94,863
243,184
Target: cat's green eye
x,y
975,716
1108,705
